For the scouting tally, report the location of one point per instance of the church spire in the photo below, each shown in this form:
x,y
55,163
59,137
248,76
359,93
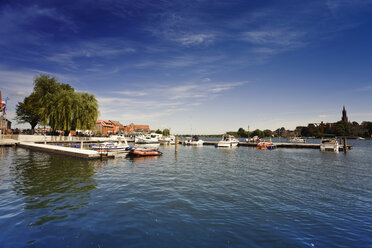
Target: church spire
x,y
344,116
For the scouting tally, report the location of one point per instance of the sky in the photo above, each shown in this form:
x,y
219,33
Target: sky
x,y
200,67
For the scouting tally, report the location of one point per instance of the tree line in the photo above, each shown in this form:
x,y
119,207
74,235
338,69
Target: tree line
x,y
241,133
339,129
57,105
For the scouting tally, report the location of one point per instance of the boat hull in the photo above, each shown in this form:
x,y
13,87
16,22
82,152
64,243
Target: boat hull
x,y
226,144
138,152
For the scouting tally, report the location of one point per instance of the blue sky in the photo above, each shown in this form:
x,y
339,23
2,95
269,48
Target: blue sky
x,y
196,66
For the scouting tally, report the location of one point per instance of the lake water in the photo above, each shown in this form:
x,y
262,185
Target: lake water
x,y
201,197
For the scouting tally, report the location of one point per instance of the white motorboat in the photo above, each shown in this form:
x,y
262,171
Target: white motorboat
x,y
113,145
168,140
296,140
194,141
329,145
227,141
152,138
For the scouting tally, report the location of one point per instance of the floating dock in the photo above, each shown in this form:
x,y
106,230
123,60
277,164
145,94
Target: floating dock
x,y
8,142
285,145
279,145
75,152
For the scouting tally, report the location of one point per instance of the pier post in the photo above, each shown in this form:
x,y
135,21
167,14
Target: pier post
x,y
81,144
176,144
345,145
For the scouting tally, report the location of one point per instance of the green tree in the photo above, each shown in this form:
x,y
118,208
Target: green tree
x,y
368,125
158,131
60,107
26,111
242,133
342,128
267,133
166,132
258,133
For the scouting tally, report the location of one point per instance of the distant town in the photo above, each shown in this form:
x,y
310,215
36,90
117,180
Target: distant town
x,y
49,120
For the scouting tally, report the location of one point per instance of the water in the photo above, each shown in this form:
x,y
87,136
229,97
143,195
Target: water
x,y
202,197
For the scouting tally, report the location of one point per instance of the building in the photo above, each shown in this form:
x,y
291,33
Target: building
x,y
344,116
118,127
104,127
132,128
5,125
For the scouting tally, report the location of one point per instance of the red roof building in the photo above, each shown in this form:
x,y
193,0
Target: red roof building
x,y
118,127
104,127
131,128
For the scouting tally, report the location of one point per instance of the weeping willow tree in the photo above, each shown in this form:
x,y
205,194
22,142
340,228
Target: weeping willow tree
x,y
60,107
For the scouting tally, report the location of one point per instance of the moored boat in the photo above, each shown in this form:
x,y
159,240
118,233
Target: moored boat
x,y
296,140
194,141
168,140
110,146
266,146
329,145
227,141
139,152
152,138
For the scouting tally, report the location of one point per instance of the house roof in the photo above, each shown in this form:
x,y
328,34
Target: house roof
x,y
104,123
141,126
116,123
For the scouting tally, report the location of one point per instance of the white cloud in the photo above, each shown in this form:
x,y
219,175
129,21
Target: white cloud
x,y
281,37
102,49
195,39
159,101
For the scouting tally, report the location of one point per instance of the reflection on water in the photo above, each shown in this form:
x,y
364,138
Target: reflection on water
x,y
143,159
52,185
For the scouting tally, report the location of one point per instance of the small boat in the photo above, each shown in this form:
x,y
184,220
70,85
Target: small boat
x,y
139,152
296,140
152,138
266,146
227,141
168,140
194,141
110,146
329,145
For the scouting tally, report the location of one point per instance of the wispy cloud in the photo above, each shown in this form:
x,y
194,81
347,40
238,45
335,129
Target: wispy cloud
x,y
17,20
275,37
364,89
104,49
195,39
163,100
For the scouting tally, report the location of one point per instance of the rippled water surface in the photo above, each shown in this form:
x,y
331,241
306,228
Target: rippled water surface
x,y
201,197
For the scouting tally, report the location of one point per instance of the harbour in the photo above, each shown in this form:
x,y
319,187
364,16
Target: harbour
x,y
185,124
185,199
82,152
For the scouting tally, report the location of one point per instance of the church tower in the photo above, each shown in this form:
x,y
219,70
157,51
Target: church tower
x,y
344,116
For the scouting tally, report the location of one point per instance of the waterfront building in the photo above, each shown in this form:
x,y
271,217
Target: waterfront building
x,y
132,128
5,125
104,127
118,127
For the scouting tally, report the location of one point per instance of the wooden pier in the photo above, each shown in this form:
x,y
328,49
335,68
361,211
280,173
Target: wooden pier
x,y
279,145
69,151
8,142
